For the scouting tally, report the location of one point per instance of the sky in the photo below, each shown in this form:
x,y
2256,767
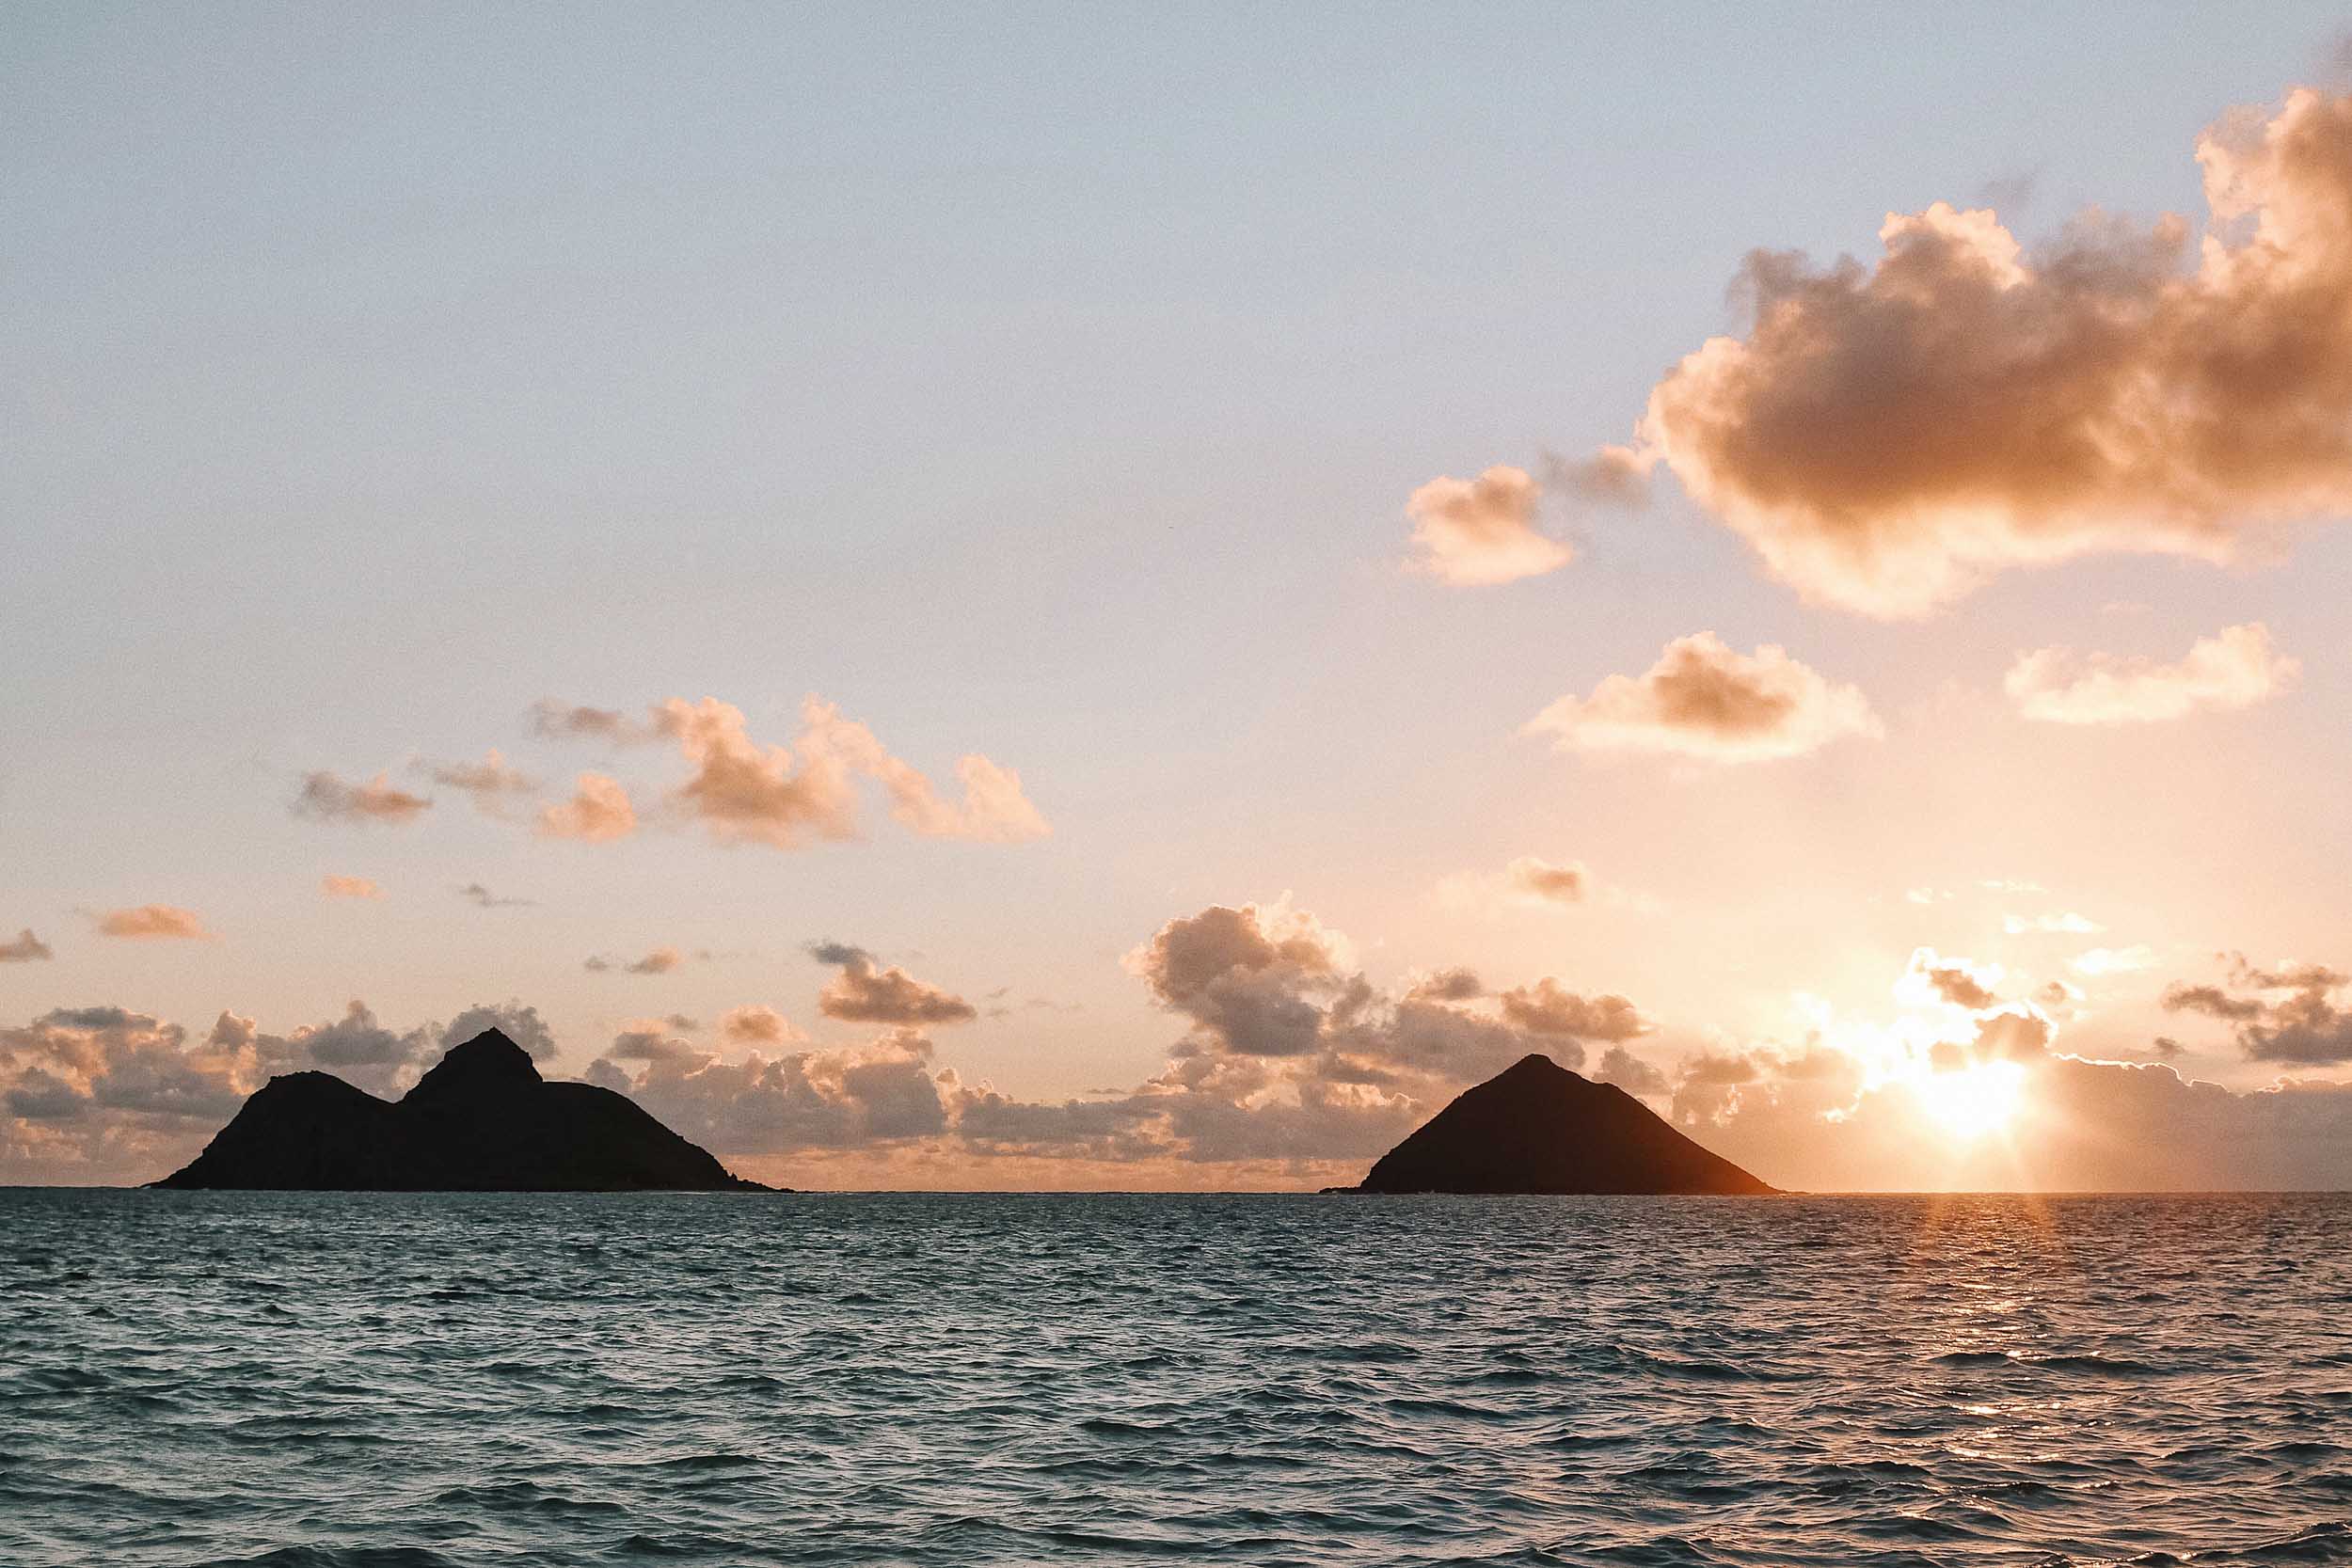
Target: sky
x,y
1059,598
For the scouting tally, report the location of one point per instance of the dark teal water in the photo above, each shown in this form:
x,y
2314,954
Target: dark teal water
x,y
416,1381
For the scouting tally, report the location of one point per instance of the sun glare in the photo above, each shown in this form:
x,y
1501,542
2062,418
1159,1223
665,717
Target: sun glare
x,y
1972,1102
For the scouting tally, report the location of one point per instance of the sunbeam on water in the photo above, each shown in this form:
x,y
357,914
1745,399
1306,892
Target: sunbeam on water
x,y
337,1381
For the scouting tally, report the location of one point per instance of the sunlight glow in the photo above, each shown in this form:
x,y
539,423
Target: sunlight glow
x,y
1974,1101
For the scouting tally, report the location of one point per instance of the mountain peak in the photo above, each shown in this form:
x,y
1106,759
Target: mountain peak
x,y
1536,1127
491,1060
482,1121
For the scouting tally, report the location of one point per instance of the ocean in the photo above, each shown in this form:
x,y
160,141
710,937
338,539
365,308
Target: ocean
x,y
378,1381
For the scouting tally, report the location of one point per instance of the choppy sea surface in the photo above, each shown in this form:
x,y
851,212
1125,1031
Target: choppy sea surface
x,y
414,1381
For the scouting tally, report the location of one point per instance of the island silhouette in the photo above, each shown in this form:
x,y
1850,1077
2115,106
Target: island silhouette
x,y
481,1120
1536,1127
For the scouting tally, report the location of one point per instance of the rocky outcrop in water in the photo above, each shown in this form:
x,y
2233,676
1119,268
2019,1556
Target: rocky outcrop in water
x,y
482,1121
1536,1127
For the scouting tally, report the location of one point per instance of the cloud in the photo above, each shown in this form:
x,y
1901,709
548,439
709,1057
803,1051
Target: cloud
x,y
475,894
108,1094
1479,532
597,813
2113,961
758,1025
879,1094
1886,437
2235,668
1255,980
2305,1027
1702,701
25,948
1630,1074
492,782
551,720
1954,981
1545,1008
865,992
349,887
1268,989
2063,921
328,799
743,792
1447,985
659,961
78,1082
153,921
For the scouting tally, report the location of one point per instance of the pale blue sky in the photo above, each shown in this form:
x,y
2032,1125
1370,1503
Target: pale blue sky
x,y
1046,382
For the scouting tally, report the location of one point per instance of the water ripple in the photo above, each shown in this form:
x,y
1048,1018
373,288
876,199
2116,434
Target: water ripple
x,y
316,1381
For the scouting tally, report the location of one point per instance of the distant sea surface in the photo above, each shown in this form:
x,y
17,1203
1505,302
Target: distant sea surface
x,y
411,1382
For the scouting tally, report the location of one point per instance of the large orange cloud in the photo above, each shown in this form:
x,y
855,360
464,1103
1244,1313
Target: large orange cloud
x,y
1887,437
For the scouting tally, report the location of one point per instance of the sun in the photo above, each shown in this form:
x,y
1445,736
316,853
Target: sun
x,y
1972,1102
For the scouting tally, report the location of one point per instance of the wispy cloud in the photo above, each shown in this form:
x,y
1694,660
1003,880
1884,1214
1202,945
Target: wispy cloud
x,y
164,922
2235,668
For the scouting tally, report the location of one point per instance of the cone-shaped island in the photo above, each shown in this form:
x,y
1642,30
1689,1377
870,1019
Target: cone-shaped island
x,y
1536,1127
482,1121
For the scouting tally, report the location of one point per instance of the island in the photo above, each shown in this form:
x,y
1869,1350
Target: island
x,y
481,1120
1536,1127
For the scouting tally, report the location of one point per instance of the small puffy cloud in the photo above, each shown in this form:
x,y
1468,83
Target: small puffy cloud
x,y
349,887
1953,981
864,991
1547,882
1481,531
481,897
1532,883
662,960
744,792
649,1040
993,809
165,922
1546,1008
2235,668
756,1024
1888,435
597,813
1254,980
492,782
1447,985
1702,701
329,799
2113,961
25,948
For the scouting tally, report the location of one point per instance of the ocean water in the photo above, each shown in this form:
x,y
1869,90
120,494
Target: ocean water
x,y
412,1381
